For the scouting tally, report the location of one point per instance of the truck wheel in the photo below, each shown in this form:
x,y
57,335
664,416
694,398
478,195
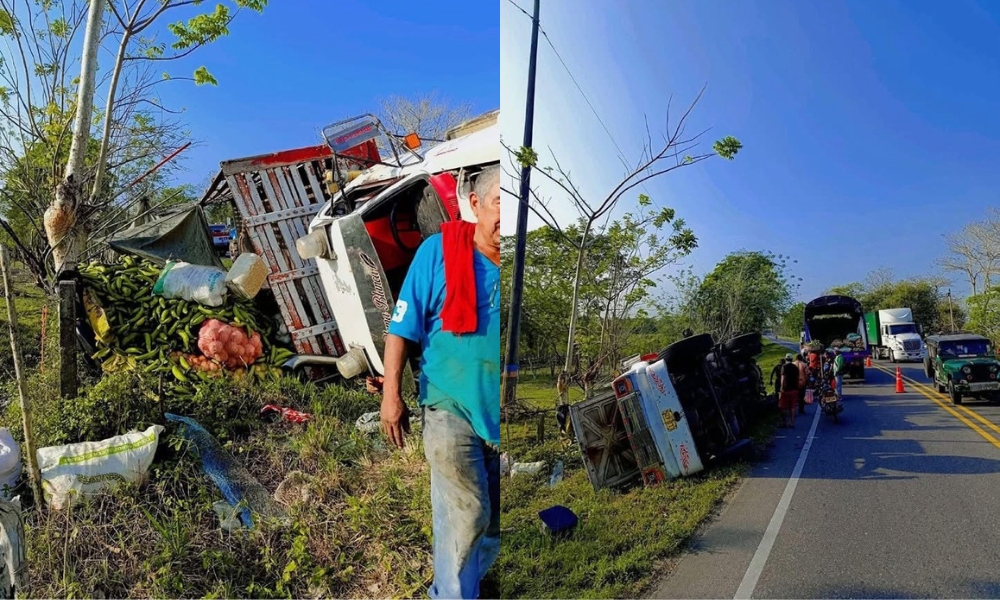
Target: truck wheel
x,y
748,343
939,386
927,369
956,396
892,356
689,351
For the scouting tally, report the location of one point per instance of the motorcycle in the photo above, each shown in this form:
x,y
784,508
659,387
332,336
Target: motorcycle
x,y
827,399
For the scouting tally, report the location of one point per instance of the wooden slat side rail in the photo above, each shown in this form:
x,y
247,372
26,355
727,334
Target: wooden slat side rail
x,y
277,199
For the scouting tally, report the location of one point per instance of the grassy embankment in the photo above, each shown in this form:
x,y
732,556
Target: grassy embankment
x,y
623,536
363,528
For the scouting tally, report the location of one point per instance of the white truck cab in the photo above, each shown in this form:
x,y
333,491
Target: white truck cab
x,y
899,336
364,239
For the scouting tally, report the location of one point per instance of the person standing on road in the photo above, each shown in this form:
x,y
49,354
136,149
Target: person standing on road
x,y
803,382
776,377
448,305
838,373
789,398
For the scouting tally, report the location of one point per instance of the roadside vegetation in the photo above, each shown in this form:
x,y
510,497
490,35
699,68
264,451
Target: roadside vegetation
x,y
362,527
624,536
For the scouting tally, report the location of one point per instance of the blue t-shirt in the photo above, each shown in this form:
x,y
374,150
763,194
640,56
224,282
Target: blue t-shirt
x,y
458,373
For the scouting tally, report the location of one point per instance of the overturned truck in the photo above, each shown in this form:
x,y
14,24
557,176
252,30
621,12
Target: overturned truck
x,y
674,415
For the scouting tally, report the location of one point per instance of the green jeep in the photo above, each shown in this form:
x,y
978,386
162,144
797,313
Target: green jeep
x,y
964,364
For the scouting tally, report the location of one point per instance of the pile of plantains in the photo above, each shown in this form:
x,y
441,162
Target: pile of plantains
x,y
140,330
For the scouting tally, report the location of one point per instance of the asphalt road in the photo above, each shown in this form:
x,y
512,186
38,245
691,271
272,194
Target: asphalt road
x,y
898,500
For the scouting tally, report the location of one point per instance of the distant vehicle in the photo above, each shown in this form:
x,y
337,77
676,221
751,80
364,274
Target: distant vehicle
x,y
964,364
839,322
893,334
220,237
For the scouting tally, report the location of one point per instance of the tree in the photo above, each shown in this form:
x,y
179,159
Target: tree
x,y
678,150
984,314
793,320
430,117
89,156
746,291
974,251
880,291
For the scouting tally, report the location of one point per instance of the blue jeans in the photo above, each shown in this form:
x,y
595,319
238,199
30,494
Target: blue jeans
x,y
465,498
840,386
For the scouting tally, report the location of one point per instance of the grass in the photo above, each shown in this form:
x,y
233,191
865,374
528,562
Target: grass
x,y
624,536
363,531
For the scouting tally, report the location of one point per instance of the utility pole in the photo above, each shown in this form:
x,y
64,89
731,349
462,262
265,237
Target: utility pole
x,y
951,309
514,324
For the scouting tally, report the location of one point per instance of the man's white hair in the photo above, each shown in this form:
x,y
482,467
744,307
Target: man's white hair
x,y
486,179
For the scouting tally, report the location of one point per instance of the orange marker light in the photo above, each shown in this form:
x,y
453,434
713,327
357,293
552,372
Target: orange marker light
x,y
412,141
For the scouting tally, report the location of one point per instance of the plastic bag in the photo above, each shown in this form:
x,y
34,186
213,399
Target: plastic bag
x,y
88,467
10,463
204,285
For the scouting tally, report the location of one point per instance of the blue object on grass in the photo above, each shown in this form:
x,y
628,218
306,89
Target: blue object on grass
x,y
235,481
558,519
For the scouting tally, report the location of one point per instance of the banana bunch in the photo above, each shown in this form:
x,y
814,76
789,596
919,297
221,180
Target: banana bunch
x,y
157,335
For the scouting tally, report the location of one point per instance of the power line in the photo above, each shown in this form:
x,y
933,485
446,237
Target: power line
x,y
575,82
621,153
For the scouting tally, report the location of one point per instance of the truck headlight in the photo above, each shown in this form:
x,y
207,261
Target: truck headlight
x,y
314,245
966,370
993,368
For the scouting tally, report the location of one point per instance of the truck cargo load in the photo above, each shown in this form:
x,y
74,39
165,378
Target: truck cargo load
x,y
839,322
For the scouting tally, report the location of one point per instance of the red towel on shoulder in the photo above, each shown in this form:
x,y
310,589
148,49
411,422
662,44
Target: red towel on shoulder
x,y
459,312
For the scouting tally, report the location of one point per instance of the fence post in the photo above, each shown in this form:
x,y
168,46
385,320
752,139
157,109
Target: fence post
x,y
29,440
67,339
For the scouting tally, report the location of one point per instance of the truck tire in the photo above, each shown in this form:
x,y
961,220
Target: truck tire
x,y
928,371
939,386
687,352
892,356
744,344
956,396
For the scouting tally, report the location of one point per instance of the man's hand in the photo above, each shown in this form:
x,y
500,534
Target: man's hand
x,y
374,384
395,417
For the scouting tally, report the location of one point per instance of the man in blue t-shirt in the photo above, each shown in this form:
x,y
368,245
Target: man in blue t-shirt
x,y
459,398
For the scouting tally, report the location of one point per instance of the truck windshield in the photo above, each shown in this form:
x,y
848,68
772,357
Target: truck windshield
x,y
904,328
964,349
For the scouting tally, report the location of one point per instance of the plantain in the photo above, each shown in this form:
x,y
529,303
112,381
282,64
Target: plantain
x,y
178,373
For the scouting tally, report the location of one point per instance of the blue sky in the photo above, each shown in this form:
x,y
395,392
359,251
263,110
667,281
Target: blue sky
x,y
303,64
869,128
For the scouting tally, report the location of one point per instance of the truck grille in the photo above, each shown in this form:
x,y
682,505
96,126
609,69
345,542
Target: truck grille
x,y
911,345
981,373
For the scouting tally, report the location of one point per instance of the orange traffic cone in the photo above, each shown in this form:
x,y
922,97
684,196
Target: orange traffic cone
x,y
868,361
899,382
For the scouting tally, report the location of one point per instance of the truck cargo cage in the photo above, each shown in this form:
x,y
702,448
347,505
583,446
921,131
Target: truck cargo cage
x,y
276,196
604,442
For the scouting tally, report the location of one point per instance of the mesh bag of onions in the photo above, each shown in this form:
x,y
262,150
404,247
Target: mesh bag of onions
x,y
228,344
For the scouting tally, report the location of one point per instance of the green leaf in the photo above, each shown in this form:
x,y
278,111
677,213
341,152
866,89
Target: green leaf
x,y
201,29
202,77
6,24
727,147
257,5
644,200
526,157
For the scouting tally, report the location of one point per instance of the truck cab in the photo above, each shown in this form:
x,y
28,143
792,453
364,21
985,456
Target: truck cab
x,y
364,239
963,365
894,335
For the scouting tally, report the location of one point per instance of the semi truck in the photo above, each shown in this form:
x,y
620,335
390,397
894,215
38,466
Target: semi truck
x,y
893,335
839,322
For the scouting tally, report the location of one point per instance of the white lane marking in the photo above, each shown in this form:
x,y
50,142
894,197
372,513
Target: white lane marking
x,y
752,576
